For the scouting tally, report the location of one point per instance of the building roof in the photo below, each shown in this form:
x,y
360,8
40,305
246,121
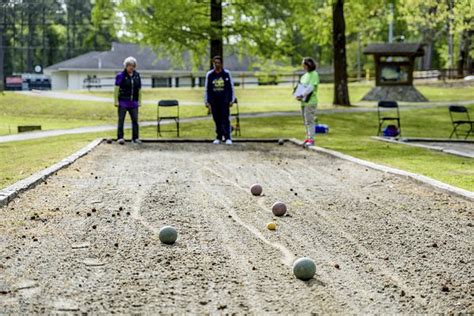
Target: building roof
x,y
147,60
394,49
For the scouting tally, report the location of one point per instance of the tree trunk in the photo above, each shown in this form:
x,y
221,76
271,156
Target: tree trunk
x,y
68,30
428,57
31,29
43,34
2,45
341,91
469,62
216,30
464,46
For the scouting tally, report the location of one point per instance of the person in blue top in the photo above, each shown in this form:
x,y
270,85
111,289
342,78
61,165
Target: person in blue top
x,y
219,97
127,96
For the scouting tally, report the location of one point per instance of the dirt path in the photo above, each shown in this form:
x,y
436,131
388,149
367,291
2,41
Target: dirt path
x,y
400,247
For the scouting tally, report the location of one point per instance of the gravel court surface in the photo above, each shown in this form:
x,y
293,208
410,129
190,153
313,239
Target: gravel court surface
x,y
86,241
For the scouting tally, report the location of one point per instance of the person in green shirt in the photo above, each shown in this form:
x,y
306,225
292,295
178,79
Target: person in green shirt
x,y
309,98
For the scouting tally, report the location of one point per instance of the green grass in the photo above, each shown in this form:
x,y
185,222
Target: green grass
x,y
248,96
349,133
18,160
16,109
255,96
435,93
282,94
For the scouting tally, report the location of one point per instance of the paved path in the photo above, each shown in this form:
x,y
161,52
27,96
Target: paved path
x,y
85,97
104,128
463,148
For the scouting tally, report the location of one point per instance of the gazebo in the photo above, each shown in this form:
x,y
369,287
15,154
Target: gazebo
x,y
394,65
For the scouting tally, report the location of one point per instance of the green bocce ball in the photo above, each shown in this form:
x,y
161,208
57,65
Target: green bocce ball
x,y
304,268
168,235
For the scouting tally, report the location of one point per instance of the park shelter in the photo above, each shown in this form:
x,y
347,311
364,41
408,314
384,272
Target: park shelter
x,y
394,66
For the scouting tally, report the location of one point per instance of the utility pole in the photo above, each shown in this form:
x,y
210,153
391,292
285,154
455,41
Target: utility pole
x,y
450,35
217,47
390,22
68,23
31,7
43,34
358,57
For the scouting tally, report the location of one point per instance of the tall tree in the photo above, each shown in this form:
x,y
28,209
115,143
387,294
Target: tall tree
x,y
31,13
103,22
171,26
435,23
216,42
2,42
261,29
341,91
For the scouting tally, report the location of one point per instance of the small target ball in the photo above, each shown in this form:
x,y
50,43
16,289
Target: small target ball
x,y
272,226
109,140
279,209
304,268
256,189
168,235
281,142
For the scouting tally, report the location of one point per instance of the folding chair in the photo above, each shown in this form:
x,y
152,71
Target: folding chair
x,y
235,113
167,104
389,105
457,121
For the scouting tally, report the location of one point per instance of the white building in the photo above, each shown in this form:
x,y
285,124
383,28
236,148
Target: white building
x,y
97,70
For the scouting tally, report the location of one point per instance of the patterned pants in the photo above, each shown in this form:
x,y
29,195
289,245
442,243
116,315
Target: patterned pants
x,y
309,111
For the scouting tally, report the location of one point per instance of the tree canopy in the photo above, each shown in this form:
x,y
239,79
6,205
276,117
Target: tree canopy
x,y
274,32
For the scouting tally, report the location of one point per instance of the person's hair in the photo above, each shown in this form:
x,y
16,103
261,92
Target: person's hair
x,y
308,61
217,58
129,61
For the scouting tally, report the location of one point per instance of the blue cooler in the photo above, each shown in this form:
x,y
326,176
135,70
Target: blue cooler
x,y
321,129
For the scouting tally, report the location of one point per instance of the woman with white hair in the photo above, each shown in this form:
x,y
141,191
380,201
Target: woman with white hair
x,y
128,98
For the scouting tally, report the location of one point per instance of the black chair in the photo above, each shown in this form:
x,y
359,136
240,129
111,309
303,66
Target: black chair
x,y
393,105
236,114
167,104
460,116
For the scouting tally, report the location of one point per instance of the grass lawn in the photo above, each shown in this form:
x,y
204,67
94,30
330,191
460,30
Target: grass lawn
x,y
263,95
434,93
18,160
16,109
349,133
282,94
247,95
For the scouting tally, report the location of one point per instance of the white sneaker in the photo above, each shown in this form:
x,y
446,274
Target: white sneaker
x,y
216,142
121,141
228,142
137,141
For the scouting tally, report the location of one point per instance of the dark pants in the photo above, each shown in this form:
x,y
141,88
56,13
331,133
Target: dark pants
x,y
220,114
122,112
